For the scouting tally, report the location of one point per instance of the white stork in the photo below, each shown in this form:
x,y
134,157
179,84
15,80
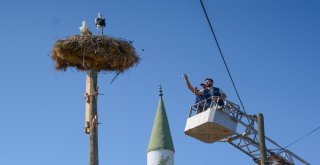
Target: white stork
x,y
84,30
100,22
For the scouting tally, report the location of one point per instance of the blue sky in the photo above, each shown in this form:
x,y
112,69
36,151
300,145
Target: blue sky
x,y
271,47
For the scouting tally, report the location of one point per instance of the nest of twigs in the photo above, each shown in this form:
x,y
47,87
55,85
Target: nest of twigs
x,y
98,52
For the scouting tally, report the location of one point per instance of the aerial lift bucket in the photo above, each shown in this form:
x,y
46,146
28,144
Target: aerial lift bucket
x,y
210,125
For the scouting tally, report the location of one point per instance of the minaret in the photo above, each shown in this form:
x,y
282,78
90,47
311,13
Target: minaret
x,y
160,149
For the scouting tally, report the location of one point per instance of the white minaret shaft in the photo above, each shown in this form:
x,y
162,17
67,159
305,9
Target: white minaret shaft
x,y
160,149
160,157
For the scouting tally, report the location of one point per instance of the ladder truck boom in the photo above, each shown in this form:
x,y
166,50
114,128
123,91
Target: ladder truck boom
x,y
244,137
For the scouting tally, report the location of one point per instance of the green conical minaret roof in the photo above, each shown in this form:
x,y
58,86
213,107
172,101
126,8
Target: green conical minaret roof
x,y
160,137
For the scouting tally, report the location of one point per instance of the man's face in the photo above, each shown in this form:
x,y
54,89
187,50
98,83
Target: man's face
x,y
208,83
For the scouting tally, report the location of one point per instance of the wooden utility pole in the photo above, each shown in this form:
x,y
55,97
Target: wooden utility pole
x,y
92,115
263,153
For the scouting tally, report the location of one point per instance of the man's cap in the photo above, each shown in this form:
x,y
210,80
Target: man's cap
x,y
209,79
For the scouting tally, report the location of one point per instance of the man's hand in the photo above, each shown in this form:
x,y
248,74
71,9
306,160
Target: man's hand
x,y
216,98
185,76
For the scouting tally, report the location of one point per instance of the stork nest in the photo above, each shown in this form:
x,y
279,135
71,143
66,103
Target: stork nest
x,y
98,52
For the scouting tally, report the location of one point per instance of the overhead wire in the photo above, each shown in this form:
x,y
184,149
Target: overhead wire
x,y
229,73
302,137
222,56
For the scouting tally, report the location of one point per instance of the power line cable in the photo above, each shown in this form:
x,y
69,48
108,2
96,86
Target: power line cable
x,y
224,61
303,137
222,56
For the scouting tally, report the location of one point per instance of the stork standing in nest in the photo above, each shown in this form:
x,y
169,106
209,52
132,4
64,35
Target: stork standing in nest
x,y
100,22
84,30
